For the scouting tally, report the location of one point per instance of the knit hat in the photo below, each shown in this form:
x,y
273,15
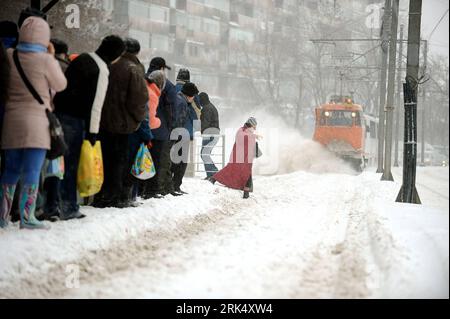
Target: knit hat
x,y
251,122
61,47
112,47
133,45
190,89
184,75
159,78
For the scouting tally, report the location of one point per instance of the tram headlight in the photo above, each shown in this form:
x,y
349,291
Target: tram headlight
x,y
353,114
327,114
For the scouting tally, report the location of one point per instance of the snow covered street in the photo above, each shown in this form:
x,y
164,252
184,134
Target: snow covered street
x,y
301,235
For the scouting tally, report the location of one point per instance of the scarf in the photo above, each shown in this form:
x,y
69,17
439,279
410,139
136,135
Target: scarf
x,y
31,47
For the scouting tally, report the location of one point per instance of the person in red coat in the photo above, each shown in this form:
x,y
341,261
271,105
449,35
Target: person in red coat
x,y
238,173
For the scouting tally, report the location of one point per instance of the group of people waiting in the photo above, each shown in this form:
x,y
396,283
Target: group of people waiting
x,y
106,95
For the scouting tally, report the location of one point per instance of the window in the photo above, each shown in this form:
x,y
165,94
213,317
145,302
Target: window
x,y
241,35
108,5
181,5
159,14
341,118
211,26
142,37
195,24
138,9
160,42
193,50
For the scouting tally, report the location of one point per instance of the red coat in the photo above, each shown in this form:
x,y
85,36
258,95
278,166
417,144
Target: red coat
x,y
239,170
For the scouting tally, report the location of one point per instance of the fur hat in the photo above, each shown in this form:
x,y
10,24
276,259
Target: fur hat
x,y
112,47
190,89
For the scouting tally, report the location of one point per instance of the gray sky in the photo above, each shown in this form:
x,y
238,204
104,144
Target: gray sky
x,y
432,12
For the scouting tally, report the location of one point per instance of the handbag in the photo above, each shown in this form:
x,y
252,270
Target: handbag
x,y
90,175
258,152
143,167
58,145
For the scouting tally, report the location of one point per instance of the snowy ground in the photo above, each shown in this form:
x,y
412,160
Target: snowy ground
x,y
301,235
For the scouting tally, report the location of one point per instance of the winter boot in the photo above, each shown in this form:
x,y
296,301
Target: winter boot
x,y
246,195
27,208
6,197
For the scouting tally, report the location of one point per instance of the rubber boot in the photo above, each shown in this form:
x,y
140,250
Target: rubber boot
x,y
6,197
27,207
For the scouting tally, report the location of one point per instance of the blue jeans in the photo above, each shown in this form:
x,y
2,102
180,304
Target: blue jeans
x,y
208,146
73,134
26,163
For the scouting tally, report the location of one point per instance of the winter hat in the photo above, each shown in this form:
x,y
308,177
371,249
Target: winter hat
x,y
61,47
204,99
112,47
132,45
158,63
8,33
189,89
8,29
184,75
251,122
159,78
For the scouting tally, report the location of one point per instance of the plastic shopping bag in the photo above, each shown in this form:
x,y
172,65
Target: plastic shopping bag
x,y
55,168
90,169
143,167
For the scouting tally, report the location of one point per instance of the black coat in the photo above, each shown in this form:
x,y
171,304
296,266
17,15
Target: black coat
x,y
82,80
209,116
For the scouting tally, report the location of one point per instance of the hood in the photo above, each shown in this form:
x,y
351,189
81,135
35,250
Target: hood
x,y
204,99
35,30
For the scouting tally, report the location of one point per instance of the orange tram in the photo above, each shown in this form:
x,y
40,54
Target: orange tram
x,y
340,127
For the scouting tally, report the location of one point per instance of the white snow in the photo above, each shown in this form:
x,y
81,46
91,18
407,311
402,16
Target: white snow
x,y
301,235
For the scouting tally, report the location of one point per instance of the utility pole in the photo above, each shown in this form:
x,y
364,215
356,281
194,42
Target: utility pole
x,y
399,95
408,192
36,4
341,77
387,174
423,106
383,77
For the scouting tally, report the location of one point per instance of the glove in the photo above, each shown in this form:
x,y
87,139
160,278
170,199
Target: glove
x,y
92,138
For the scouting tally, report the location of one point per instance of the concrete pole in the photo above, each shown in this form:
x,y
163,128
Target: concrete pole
x,y
387,174
383,77
408,193
399,96
424,106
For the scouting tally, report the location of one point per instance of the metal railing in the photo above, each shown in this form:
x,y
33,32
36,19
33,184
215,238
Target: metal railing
x,y
196,164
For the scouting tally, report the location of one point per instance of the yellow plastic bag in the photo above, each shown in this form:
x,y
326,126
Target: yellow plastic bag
x,y
90,169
